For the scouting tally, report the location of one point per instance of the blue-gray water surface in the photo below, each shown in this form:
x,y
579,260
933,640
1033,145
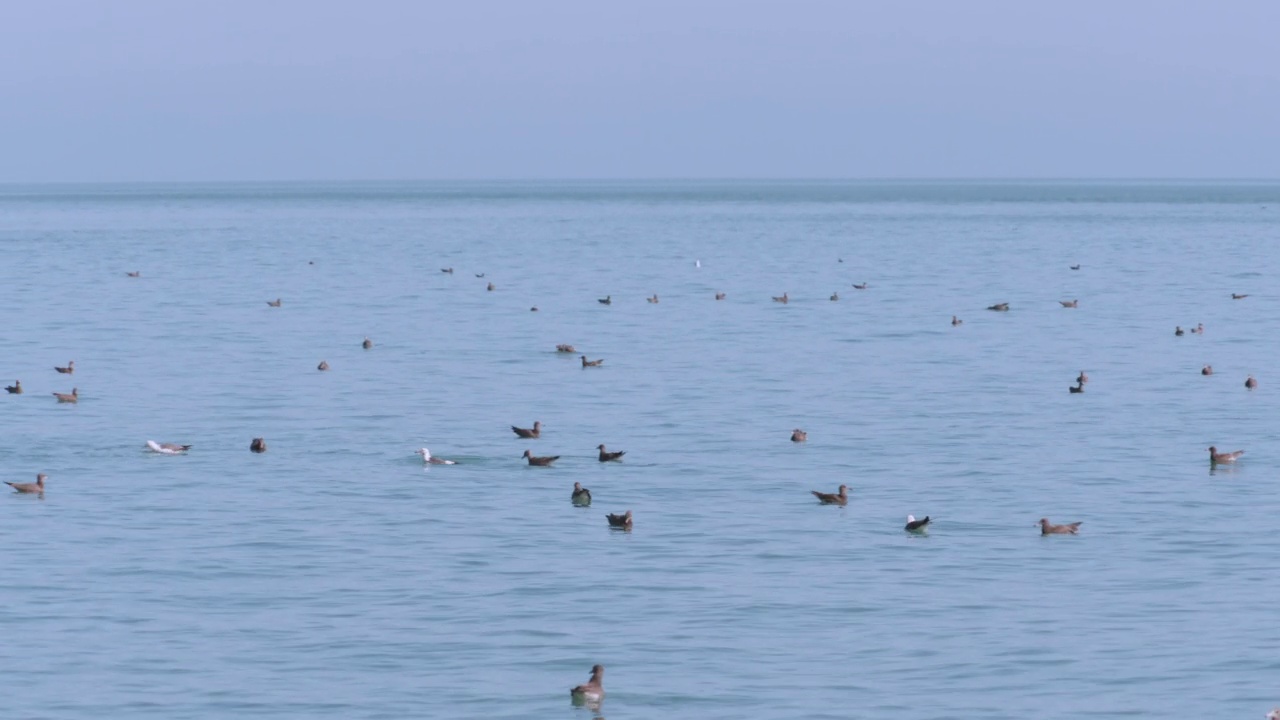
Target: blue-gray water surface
x,y
336,577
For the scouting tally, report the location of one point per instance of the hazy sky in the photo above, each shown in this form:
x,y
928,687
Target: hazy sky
x,y
267,89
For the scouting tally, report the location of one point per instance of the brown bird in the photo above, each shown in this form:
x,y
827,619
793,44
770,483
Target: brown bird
x,y
1238,297
15,388
535,432
620,521
35,487
1206,370
1047,528
367,344
1077,388
73,397
274,303
782,299
999,307
591,691
323,365
581,496
137,273
1224,457
540,461
1249,384
863,286
606,456
956,321
1069,303
840,498
1082,378
70,369
565,349
591,363
490,287
719,296
653,300
799,435
258,445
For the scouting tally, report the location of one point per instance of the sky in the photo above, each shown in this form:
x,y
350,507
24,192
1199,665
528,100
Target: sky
x,y
263,90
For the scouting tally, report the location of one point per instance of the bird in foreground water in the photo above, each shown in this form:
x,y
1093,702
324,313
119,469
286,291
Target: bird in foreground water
x,y
581,496
592,690
620,521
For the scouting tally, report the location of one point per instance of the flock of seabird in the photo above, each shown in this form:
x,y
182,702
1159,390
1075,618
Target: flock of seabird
x,y
592,691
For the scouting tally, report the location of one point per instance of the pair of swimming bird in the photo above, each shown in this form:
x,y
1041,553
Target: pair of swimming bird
x,y
582,498
546,460
1197,330
842,498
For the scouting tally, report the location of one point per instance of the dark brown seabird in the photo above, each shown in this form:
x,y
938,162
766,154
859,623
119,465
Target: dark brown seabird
x,y
1223,457
840,498
593,690
533,432
606,456
540,461
620,521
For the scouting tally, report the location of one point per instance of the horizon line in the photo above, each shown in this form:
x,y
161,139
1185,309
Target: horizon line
x,y
673,179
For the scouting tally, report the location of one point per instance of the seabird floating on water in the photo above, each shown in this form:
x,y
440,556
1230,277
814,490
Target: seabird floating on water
x,y
840,498
167,448
429,459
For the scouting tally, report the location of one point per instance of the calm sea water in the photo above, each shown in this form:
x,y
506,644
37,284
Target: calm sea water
x,y
335,577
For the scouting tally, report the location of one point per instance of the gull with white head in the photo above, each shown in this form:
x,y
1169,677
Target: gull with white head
x,y
167,448
429,459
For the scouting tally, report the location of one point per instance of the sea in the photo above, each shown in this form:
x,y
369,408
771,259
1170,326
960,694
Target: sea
x,y
336,576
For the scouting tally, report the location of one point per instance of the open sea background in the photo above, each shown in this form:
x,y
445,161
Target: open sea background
x,y
335,577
